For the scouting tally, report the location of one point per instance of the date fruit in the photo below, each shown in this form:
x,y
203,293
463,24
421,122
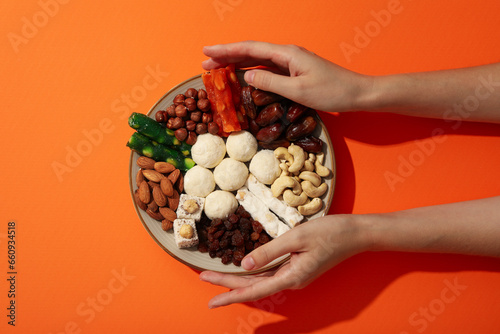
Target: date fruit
x,y
262,98
274,144
310,144
248,104
270,132
270,114
295,111
301,128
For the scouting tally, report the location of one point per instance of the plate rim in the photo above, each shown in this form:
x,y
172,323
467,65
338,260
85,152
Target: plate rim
x,y
328,200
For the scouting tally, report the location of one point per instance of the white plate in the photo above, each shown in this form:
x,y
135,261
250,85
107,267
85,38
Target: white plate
x,y
192,257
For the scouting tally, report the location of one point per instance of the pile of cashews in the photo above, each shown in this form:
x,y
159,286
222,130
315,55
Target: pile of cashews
x,y
301,181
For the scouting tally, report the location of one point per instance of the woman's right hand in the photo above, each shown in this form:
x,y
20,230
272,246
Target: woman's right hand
x,y
294,73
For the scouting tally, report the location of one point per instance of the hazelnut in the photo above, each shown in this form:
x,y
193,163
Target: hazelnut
x,y
186,231
206,118
191,139
202,94
201,128
192,93
171,110
190,104
181,111
190,205
170,123
203,105
179,99
213,128
190,125
160,116
181,134
196,116
177,123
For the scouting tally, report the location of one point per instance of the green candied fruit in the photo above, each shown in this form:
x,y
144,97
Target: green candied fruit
x,y
148,151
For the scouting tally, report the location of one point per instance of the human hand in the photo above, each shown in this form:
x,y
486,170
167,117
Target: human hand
x,y
315,247
294,73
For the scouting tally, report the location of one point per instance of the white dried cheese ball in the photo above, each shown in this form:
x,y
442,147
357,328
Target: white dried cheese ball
x,y
208,151
230,174
265,166
241,145
220,204
199,181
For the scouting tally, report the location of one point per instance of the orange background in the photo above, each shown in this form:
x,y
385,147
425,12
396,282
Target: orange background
x,y
68,76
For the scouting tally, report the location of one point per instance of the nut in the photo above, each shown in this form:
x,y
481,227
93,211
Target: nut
x,y
281,153
318,164
171,110
163,167
190,104
174,175
166,225
140,204
298,158
145,162
201,128
190,205
152,175
191,139
191,93
186,231
179,99
206,118
294,200
190,126
284,182
195,116
154,215
173,201
213,128
202,94
181,111
180,183
312,177
166,187
181,134
203,104
313,191
159,197
177,122
311,208
168,213
144,192
139,177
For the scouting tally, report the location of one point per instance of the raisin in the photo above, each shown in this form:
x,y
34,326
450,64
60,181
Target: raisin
x,y
202,247
229,225
216,222
238,255
219,253
237,239
214,245
233,218
224,243
255,236
218,234
249,246
212,254
263,238
257,227
225,259
245,224
256,245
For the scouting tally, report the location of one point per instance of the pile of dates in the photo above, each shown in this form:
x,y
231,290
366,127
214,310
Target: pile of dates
x,y
276,121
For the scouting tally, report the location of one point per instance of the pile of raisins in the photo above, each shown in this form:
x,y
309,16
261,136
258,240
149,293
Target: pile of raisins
x,y
232,238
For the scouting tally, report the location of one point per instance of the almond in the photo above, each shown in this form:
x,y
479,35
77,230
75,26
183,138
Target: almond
x,y
152,175
139,177
144,192
145,162
173,201
180,183
154,215
174,176
163,167
159,197
166,225
140,204
166,187
153,206
168,213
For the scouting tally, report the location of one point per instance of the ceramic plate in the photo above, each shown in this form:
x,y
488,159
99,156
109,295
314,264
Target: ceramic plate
x,y
192,257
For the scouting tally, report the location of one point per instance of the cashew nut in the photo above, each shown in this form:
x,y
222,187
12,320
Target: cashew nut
x,y
320,169
312,177
312,157
281,153
308,166
284,169
311,208
284,182
313,191
298,158
294,200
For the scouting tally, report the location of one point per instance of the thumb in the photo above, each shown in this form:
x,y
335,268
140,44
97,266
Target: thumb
x,y
284,244
271,82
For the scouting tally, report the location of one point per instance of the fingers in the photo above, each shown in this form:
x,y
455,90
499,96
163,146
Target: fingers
x,y
286,243
260,289
228,280
272,82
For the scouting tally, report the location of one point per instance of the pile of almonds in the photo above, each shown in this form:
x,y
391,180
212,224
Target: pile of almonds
x,y
159,187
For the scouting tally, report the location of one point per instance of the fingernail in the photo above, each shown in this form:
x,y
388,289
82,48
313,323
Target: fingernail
x,y
248,263
249,75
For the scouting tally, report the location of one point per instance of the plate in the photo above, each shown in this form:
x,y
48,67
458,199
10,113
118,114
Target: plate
x,y
192,257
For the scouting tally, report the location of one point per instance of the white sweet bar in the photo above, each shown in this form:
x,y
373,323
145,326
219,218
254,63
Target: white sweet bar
x,y
181,241
271,224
